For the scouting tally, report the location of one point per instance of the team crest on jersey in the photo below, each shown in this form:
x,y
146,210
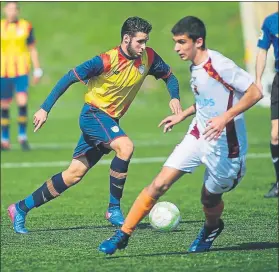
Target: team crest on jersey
x,y
115,129
141,69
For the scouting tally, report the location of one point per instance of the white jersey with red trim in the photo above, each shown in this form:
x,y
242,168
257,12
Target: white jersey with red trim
x,y
218,84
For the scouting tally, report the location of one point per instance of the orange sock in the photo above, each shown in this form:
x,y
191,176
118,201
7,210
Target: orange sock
x,y
141,207
213,215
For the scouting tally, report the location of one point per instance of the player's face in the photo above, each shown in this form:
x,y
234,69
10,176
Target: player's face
x,y
137,44
11,11
185,47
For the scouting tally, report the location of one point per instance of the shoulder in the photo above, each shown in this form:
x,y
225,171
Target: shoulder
x,y
25,23
220,61
151,55
271,19
109,55
149,50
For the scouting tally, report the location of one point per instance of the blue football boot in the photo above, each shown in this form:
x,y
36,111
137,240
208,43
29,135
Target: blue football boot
x,y
118,241
18,219
206,238
115,216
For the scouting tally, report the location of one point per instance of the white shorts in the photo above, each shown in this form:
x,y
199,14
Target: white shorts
x,y
222,173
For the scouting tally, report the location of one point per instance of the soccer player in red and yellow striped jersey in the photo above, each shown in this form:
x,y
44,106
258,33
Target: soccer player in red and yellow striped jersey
x,y
17,51
113,79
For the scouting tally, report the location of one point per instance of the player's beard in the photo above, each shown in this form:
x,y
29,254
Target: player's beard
x,y
131,51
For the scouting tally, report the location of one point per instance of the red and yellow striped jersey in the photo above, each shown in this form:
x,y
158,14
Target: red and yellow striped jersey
x,y
16,37
114,90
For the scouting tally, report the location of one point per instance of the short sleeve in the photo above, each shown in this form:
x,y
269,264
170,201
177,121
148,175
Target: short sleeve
x,y
264,40
236,77
31,36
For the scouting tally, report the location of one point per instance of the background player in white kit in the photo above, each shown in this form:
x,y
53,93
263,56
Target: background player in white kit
x,y
216,137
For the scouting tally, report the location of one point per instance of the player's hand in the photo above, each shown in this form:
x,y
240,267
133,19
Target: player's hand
x,y
175,106
37,75
39,119
170,121
214,127
35,80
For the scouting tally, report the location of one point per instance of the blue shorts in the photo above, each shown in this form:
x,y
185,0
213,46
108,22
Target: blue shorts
x,y
10,84
97,128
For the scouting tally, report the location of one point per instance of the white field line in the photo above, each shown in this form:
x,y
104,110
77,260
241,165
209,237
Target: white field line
x,y
137,143
10,165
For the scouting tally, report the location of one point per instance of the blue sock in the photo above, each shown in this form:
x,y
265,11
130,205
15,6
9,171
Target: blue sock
x,y
22,122
48,191
118,174
5,125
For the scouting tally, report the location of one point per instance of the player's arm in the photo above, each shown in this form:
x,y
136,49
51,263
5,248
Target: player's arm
x,y
264,43
172,120
160,70
38,72
82,73
249,99
242,82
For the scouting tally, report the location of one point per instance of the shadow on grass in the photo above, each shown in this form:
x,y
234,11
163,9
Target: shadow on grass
x,y
140,226
239,247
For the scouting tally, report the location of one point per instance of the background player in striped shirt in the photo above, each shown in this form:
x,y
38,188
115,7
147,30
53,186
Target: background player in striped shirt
x,y
17,51
113,79
269,35
216,137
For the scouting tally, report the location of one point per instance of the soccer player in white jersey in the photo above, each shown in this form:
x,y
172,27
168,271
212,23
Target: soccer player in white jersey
x,y
216,137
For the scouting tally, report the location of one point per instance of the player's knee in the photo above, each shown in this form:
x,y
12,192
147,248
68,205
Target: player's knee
x,y
5,104
125,148
159,187
21,99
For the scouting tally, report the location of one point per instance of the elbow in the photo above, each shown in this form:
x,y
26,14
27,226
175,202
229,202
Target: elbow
x,y
258,96
257,93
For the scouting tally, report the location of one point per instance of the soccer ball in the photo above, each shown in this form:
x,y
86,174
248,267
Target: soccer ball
x,y
164,216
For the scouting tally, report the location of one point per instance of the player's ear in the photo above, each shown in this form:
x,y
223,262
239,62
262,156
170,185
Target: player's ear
x,y
199,42
126,38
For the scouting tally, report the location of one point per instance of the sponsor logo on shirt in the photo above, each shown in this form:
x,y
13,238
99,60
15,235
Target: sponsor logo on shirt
x,y
205,102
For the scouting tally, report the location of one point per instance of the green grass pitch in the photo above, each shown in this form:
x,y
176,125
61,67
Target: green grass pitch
x,y
66,232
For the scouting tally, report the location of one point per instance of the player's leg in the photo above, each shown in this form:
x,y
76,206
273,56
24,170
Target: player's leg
x,y
221,175
104,132
21,87
52,188
274,144
184,159
123,148
6,99
141,207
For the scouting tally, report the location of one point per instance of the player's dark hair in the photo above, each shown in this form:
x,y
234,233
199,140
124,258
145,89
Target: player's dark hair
x,y
133,25
192,26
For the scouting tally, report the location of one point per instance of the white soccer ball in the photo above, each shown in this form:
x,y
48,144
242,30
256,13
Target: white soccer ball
x,y
164,216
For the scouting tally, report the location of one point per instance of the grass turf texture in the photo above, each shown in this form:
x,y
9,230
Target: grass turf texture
x,y
67,231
